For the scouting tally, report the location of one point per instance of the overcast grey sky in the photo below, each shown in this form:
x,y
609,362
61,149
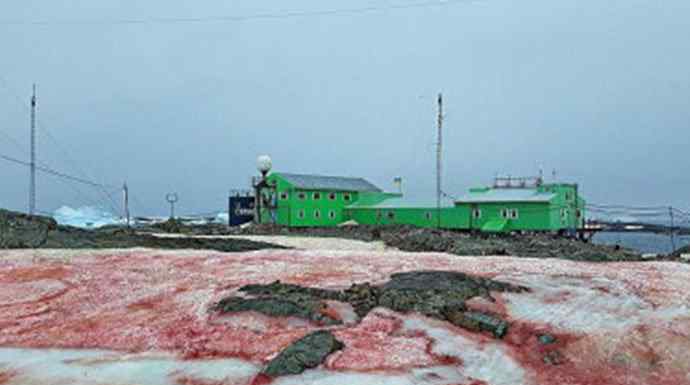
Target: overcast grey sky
x,y
597,89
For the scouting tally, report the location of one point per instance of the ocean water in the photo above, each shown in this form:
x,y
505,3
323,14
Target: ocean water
x,y
643,242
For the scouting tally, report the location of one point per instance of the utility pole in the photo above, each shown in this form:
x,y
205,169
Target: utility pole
x,y
673,225
125,197
32,177
439,153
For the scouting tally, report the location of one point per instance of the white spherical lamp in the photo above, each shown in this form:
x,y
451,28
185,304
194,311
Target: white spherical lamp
x,y
264,164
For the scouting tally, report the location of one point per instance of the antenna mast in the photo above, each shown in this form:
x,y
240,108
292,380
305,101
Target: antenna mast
x,y
32,178
125,202
439,153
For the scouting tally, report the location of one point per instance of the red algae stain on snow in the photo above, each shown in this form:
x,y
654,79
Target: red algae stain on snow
x,y
6,376
155,301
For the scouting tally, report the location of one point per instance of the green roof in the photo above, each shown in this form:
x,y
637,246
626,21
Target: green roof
x,y
401,203
334,183
506,195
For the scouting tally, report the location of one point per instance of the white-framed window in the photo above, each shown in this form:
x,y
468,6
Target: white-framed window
x,y
302,196
347,197
390,215
300,214
564,214
317,214
514,214
332,196
428,216
316,196
331,214
284,195
477,213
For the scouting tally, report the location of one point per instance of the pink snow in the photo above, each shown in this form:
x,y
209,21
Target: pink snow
x,y
615,323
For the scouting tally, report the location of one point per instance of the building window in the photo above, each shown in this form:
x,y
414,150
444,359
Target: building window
x,y
379,215
391,215
331,214
564,213
317,214
302,196
477,213
300,214
428,216
347,197
579,213
514,214
316,196
505,214
284,196
568,196
332,196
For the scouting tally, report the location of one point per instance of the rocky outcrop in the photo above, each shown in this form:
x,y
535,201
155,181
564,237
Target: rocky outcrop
x,y
408,238
19,231
305,308
436,294
22,231
305,353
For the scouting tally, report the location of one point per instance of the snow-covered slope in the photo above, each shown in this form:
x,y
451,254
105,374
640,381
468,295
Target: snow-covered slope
x,y
142,316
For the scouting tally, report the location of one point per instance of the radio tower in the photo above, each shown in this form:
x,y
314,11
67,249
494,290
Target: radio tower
x,y
32,180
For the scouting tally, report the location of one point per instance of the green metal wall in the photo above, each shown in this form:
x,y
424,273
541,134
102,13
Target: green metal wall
x,y
296,212
420,217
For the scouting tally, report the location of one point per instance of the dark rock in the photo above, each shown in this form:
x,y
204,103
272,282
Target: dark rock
x,y
546,339
288,290
277,307
306,353
478,322
436,294
65,237
363,298
19,230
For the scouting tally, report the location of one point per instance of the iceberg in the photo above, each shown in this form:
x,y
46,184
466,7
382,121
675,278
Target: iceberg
x,y
86,217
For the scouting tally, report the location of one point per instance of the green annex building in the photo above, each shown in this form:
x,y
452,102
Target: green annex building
x,y
511,204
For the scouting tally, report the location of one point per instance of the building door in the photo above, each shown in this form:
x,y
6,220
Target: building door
x,y
473,210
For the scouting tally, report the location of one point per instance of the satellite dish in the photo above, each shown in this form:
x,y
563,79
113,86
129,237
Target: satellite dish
x,y
264,164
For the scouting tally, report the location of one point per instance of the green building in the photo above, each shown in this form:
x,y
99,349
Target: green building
x,y
537,207
511,204
300,200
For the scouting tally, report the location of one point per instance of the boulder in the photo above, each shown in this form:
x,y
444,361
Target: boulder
x,y
309,309
306,353
19,231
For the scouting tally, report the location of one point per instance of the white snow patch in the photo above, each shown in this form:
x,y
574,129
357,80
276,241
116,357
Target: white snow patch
x,y
488,362
442,375
52,366
585,305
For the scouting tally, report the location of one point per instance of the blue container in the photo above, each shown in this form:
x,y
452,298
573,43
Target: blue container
x,y
240,210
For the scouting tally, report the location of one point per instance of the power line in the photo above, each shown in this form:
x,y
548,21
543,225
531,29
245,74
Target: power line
x,y
54,172
237,18
65,154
